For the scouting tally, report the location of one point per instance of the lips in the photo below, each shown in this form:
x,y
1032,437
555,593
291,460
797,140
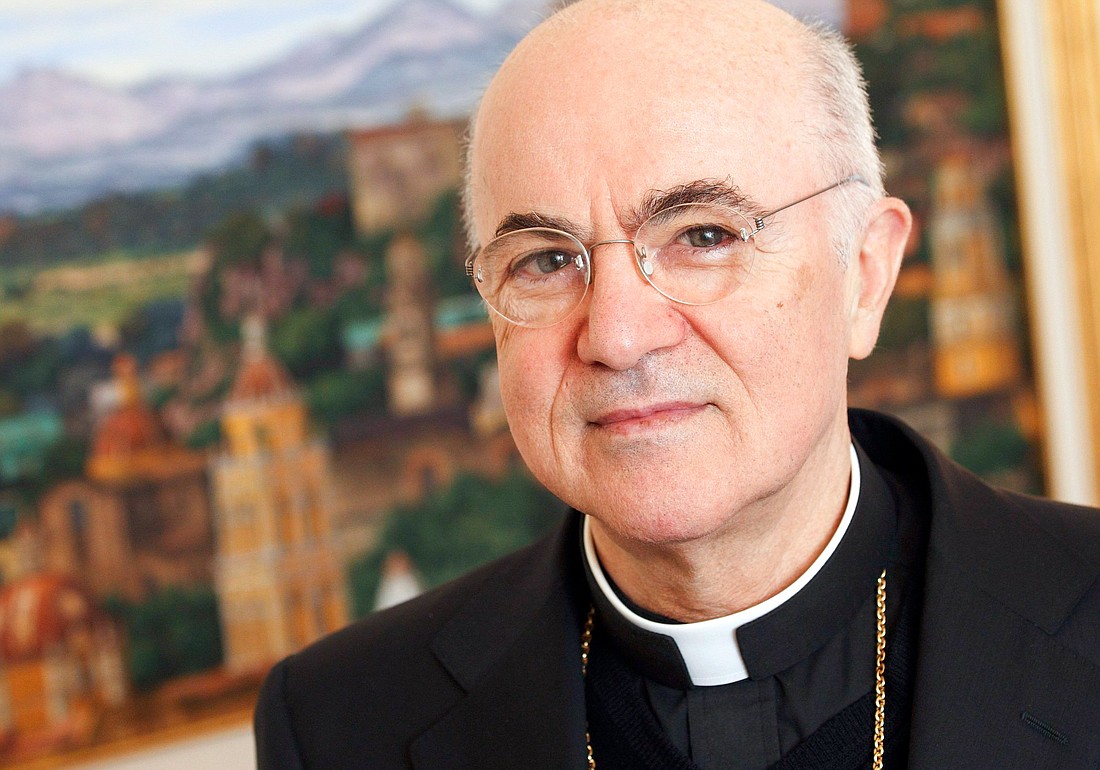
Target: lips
x,y
625,418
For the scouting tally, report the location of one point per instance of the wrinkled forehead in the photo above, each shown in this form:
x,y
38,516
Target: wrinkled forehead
x,y
617,104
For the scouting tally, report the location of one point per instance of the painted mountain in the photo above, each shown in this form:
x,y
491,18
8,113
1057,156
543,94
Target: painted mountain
x,y
64,139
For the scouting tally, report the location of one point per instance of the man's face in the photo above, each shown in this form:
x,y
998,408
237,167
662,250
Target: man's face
x,y
667,422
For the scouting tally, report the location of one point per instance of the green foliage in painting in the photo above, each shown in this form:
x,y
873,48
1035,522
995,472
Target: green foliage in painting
x,y
29,364
905,322
172,633
335,394
1002,194
307,341
308,336
455,529
441,235
64,460
319,234
205,435
468,370
239,240
362,302
900,66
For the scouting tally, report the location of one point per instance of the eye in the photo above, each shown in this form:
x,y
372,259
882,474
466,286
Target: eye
x,y
544,262
705,236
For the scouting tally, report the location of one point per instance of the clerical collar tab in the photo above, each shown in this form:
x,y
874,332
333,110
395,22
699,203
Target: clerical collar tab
x,y
709,648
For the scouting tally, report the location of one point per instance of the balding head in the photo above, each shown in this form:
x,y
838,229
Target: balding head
x,y
616,65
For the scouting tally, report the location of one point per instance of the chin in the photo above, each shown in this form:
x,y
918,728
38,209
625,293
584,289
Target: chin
x,y
652,502
662,521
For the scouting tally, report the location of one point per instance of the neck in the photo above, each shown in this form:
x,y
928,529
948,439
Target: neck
x,y
762,551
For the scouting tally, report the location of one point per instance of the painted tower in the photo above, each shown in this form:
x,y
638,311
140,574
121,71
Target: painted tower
x,y
974,312
279,576
411,372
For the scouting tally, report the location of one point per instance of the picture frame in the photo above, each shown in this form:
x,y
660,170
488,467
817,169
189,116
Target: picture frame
x,y
389,421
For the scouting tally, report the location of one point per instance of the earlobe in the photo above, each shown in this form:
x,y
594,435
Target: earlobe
x,y
880,256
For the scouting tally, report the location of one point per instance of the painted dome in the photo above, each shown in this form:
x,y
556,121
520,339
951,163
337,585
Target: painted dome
x,y
261,376
132,427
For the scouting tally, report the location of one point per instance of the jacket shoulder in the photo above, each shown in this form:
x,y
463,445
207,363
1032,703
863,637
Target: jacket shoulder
x,y
1037,556
386,667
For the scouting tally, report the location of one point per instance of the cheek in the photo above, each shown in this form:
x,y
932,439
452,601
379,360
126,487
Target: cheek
x,y
788,345
532,365
815,344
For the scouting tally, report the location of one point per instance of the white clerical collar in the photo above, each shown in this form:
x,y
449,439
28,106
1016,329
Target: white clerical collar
x,y
709,648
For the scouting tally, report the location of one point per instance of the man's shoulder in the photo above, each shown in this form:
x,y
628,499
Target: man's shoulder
x,y
966,501
1037,557
416,658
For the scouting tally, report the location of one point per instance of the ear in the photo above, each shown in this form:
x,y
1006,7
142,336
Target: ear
x,y
879,260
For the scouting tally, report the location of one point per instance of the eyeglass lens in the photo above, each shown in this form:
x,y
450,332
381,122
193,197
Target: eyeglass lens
x,y
693,253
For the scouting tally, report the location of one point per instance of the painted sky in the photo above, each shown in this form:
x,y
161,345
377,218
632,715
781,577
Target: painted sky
x,y
129,41
122,42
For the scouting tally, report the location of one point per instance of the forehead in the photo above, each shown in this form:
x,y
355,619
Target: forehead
x,y
619,105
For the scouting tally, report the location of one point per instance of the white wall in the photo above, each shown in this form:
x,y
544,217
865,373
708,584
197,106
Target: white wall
x,y
224,750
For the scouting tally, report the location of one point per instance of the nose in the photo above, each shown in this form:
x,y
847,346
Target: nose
x,y
624,317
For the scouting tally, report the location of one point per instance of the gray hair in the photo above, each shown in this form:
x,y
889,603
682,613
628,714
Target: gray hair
x,y
468,182
845,134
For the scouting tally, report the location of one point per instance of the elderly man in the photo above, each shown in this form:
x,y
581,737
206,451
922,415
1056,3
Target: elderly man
x,y
679,223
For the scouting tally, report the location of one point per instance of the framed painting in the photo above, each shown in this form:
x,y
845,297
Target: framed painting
x,y
246,393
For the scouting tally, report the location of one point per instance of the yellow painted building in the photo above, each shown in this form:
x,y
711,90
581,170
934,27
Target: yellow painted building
x,y
973,307
279,573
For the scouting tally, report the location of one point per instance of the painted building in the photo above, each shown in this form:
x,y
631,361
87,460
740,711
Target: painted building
x,y
139,520
974,310
279,574
397,172
61,662
410,374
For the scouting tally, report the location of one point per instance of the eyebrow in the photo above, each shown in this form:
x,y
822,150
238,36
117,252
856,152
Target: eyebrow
x,y
715,191
523,221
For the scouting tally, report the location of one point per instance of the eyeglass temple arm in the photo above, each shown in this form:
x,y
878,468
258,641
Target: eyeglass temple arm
x,y
758,223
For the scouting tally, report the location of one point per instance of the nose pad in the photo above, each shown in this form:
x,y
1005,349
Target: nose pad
x,y
643,261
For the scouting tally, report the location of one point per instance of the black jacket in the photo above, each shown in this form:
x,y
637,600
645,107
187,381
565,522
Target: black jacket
x,y
485,671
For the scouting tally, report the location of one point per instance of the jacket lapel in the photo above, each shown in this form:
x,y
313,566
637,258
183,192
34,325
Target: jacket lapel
x,y
515,651
1007,673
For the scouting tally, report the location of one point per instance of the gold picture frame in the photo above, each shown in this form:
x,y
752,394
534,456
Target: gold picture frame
x,y
1052,57
1061,165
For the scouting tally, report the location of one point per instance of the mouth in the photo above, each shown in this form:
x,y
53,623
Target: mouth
x,y
648,416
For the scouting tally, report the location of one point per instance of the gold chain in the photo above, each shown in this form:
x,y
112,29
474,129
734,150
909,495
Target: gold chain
x,y
880,674
586,643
